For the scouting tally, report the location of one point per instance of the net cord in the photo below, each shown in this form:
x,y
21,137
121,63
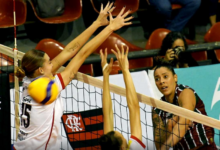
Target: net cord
x,y
179,111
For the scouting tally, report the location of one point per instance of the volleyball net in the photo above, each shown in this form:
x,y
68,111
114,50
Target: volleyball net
x,y
82,122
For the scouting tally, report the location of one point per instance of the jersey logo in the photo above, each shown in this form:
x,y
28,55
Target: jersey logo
x,y
75,123
84,128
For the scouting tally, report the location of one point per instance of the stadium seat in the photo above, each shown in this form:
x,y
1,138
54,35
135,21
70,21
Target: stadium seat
x,y
213,36
176,6
72,11
53,48
133,63
6,13
119,4
156,38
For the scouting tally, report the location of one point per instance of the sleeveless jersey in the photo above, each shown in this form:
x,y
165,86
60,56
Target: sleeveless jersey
x,y
135,144
40,124
197,136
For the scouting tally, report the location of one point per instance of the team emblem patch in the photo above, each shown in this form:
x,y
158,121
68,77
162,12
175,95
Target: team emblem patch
x,y
84,129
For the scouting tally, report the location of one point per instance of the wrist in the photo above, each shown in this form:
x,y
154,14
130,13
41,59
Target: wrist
x,y
125,70
106,74
110,28
97,24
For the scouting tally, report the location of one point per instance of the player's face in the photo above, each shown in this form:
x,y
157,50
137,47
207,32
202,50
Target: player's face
x,y
165,81
47,66
124,141
178,42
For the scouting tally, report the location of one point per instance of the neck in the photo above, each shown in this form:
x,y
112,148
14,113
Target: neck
x,y
170,97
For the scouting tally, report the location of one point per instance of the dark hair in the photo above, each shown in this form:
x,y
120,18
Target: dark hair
x,y
166,64
31,61
110,141
169,40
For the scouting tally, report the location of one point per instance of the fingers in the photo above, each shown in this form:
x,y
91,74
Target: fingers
x,y
125,14
110,16
101,7
111,9
106,54
111,62
122,51
127,23
106,7
118,51
101,54
129,18
115,53
110,6
170,51
122,11
126,54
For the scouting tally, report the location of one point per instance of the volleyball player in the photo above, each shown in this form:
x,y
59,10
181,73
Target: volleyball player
x,y
40,124
113,140
171,130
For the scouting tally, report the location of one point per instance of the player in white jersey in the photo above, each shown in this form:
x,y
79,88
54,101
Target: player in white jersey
x,y
40,124
113,139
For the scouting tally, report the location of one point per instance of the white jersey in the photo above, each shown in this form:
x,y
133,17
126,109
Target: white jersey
x,y
40,124
135,144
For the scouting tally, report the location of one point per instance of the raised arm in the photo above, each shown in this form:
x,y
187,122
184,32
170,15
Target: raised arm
x,y
91,46
186,100
106,97
132,100
74,46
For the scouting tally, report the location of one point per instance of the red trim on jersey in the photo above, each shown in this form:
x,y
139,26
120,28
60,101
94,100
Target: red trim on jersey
x,y
139,141
61,80
14,148
50,130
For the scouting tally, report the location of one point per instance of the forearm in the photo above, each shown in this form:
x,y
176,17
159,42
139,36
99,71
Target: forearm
x,y
90,47
131,94
160,131
133,105
107,102
74,46
160,136
107,105
178,132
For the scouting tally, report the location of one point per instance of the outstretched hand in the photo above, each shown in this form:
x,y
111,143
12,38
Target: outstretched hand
x,y
122,57
103,14
120,20
106,68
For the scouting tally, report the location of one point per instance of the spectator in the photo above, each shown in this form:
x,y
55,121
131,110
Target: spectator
x,y
213,6
173,44
163,7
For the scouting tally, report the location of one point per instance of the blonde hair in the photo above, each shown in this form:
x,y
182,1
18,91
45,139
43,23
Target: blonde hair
x,y
31,61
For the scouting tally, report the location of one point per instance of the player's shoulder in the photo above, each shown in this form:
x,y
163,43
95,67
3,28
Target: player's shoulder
x,y
135,144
